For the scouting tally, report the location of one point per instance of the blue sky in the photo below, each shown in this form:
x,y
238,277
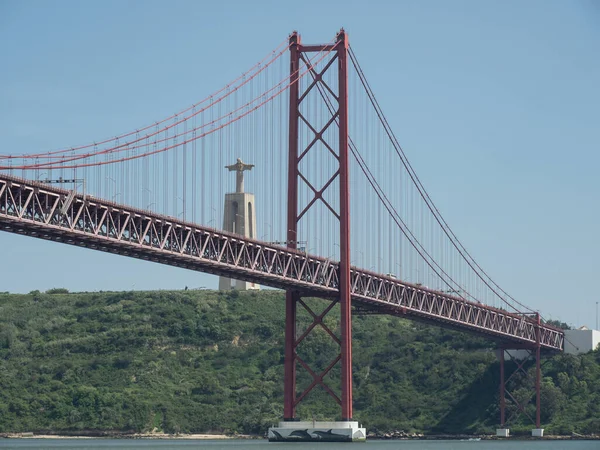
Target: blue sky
x,y
497,105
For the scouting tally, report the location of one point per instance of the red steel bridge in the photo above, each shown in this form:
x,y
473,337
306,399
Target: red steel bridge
x,y
326,162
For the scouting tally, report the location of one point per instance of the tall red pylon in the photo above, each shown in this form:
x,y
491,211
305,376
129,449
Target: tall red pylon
x,y
337,52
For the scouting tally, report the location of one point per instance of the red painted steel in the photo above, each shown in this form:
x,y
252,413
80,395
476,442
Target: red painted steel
x,y
345,287
533,352
339,117
291,297
318,379
47,212
538,373
289,381
502,391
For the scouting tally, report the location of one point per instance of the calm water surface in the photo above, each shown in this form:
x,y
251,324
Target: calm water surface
x,y
141,444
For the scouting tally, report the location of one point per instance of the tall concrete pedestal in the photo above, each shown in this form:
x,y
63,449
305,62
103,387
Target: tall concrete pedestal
x,y
537,432
317,432
239,217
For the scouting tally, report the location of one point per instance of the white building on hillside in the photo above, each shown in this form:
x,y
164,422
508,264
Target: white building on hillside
x,y
581,340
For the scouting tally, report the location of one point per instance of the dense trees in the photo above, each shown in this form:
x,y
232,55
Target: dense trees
x,y
197,361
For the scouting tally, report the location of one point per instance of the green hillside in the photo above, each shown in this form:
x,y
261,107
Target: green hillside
x,y
201,361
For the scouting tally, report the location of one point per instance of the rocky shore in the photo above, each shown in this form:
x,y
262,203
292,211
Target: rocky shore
x,y
394,435
470,437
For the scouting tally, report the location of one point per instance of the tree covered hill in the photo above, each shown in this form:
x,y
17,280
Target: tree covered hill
x,y
202,361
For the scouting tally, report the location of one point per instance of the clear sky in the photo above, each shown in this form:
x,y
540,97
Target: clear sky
x,y
496,103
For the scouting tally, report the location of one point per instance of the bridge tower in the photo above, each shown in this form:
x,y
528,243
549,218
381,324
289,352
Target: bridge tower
x,y
521,355
239,217
337,104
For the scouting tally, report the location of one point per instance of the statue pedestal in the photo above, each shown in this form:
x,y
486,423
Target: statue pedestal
x,y
239,217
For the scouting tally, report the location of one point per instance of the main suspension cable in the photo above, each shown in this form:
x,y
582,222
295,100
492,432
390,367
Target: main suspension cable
x,y
424,194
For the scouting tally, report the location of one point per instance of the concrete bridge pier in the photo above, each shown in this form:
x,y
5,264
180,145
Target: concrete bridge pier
x,y
314,431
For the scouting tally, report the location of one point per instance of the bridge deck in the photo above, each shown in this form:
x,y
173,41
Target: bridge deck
x,y
46,212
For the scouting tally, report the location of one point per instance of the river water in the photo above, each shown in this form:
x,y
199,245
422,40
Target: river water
x,y
153,444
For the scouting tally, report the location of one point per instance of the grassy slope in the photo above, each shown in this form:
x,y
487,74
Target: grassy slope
x,y
197,361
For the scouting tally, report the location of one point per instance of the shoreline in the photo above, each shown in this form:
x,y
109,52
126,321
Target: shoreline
x,y
487,437
205,436
108,435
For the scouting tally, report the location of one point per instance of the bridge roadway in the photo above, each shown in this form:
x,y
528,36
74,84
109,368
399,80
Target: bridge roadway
x,y
47,212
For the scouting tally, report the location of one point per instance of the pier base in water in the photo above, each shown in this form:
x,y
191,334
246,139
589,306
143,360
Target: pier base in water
x,y
503,432
290,431
537,432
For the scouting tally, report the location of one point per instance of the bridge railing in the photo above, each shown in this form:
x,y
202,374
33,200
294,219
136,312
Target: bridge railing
x,y
48,212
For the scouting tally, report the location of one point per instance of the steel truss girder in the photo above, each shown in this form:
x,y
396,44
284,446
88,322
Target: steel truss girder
x,y
34,209
432,306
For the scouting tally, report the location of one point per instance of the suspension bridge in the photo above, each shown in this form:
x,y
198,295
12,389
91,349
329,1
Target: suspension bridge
x,y
341,213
